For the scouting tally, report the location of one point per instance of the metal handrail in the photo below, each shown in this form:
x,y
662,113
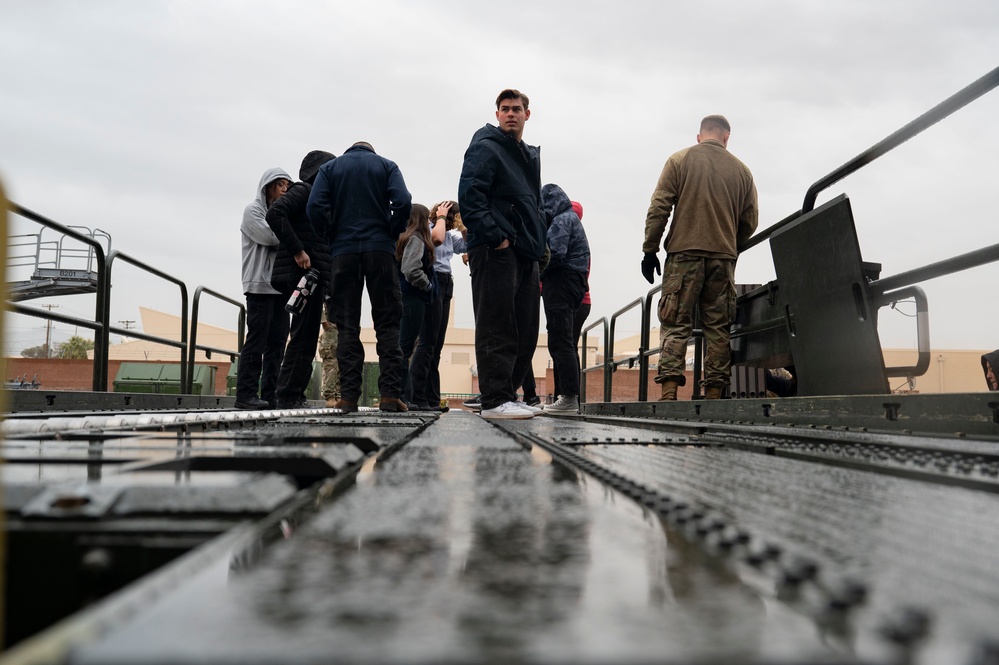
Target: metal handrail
x,y
194,346
609,359
945,108
108,329
583,369
101,314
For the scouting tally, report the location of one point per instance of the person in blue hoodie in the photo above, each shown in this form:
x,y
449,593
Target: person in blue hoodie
x,y
359,201
266,321
499,196
563,285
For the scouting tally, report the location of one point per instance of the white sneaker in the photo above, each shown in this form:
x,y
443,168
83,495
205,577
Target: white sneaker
x,y
564,404
530,407
508,411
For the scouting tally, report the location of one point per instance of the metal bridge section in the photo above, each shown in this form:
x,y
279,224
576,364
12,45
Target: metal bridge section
x,y
63,265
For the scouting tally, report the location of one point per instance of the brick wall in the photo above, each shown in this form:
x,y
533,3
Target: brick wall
x,y
62,374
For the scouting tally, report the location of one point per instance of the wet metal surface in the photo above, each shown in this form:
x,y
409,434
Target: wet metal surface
x,y
553,540
465,546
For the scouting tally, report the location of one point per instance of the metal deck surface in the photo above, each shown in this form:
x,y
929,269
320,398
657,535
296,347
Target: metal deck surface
x,y
405,538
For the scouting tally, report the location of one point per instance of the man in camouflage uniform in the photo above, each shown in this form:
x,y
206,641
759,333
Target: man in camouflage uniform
x,y
713,200
327,351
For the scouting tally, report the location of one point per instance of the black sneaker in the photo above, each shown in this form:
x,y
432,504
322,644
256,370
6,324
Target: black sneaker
x,y
534,401
475,404
252,403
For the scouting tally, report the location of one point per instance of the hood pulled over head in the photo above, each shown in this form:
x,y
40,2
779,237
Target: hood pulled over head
x,y
311,164
554,200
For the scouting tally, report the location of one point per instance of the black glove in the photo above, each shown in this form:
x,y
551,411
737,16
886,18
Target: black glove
x,y
649,264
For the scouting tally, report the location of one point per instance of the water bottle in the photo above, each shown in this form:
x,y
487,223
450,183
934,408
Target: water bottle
x,y
300,296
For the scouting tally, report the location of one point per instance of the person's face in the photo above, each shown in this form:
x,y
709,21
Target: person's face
x,y
990,375
277,189
511,116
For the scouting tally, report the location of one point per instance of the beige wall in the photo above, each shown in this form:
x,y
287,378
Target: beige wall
x,y
950,371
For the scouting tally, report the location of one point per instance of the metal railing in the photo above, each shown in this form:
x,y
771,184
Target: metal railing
x,y
100,324
194,346
108,329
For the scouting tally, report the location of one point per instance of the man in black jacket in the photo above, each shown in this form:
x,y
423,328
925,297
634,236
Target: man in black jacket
x,y
499,197
361,203
301,250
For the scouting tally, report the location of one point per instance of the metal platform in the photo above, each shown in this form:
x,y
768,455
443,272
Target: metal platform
x,y
620,535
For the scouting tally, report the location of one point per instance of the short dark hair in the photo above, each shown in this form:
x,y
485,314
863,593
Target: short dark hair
x,y
513,93
715,122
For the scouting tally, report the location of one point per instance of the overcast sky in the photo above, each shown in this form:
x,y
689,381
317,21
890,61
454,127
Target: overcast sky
x,y
154,120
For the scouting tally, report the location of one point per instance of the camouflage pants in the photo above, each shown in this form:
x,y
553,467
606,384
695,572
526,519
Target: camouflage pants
x,y
331,370
689,283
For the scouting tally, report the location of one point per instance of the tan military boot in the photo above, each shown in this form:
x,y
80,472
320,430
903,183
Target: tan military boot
x,y
712,392
669,391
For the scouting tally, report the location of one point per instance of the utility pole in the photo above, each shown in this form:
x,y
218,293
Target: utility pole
x,y
48,332
127,324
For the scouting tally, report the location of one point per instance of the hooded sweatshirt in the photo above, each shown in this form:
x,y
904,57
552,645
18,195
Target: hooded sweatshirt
x,y
499,193
259,242
991,360
566,237
288,220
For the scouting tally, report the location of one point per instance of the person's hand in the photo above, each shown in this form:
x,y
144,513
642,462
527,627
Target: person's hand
x,y
503,245
443,208
464,259
650,264
303,260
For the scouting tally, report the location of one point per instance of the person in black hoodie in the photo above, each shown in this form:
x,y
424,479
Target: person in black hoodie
x,y
990,365
301,249
499,196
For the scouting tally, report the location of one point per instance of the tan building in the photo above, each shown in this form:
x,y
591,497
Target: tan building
x,y
457,366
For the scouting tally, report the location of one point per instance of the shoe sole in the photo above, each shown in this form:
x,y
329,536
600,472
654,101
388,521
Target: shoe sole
x,y
507,417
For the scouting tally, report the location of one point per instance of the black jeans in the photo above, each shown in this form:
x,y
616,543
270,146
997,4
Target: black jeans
x,y
296,370
260,359
350,272
425,370
414,311
506,299
578,319
563,292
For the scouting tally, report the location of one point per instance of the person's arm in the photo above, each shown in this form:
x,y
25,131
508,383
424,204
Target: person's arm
x,y
279,217
477,173
663,200
400,200
558,241
749,218
254,225
411,265
438,228
459,241
320,205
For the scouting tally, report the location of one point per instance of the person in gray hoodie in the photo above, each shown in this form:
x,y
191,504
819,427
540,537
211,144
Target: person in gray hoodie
x,y
266,320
